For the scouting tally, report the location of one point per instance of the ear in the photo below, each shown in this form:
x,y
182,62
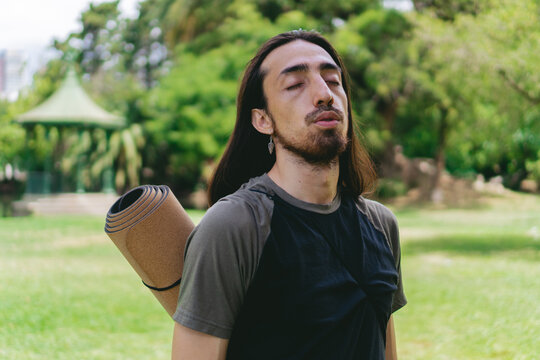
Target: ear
x,y
262,122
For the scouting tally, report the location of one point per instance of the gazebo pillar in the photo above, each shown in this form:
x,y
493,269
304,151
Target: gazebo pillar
x,y
48,166
39,181
108,174
29,132
80,165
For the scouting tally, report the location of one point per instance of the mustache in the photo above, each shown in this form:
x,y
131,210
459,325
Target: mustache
x,y
312,116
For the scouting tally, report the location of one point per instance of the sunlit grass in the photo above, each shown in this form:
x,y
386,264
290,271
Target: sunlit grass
x,y
67,293
472,278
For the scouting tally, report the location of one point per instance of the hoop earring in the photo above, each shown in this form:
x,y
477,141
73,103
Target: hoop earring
x,y
270,146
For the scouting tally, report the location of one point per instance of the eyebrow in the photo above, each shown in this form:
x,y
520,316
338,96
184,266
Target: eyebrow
x,y
305,68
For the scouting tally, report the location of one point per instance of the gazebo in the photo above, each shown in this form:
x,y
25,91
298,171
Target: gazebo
x,y
71,107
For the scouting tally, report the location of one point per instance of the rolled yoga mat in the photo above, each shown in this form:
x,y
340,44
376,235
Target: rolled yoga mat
x,y
150,228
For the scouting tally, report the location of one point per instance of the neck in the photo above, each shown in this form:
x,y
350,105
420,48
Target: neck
x,y
315,184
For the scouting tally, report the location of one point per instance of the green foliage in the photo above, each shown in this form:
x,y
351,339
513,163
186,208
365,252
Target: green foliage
x,y
325,11
449,9
454,80
11,138
192,111
99,23
499,91
374,46
119,151
388,188
533,167
143,50
24,148
460,91
187,19
243,27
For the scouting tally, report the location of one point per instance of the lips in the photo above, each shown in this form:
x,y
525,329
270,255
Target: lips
x,y
328,116
327,119
325,116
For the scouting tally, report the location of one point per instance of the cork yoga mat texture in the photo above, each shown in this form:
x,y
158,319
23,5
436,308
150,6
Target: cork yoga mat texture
x,y
150,228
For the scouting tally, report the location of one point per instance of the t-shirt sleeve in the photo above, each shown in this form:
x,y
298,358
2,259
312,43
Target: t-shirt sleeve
x,y
399,300
219,260
387,222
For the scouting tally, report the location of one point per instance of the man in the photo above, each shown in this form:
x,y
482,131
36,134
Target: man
x,y
294,263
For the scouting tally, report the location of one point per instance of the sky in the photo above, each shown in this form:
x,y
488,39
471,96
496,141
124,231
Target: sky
x,y
26,24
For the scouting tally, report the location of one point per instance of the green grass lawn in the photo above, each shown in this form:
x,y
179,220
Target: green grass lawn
x,y
472,278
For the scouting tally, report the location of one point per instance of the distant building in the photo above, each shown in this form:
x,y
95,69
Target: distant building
x,y
13,73
17,68
2,71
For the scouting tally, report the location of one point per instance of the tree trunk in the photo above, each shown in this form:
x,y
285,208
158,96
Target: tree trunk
x,y
388,166
437,195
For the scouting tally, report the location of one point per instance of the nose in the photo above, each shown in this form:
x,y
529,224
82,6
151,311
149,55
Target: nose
x,y
322,94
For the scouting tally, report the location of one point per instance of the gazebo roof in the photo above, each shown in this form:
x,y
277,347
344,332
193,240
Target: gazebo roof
x,y
71,106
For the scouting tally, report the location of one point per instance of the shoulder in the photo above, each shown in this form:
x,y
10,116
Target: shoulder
x,y
376,210
237,217
241,208
220,260
382,218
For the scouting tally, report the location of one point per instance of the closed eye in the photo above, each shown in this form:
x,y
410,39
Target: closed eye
x,y
295,86
333,82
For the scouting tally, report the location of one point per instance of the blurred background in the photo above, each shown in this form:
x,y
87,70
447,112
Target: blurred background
x,y
442,90
99,97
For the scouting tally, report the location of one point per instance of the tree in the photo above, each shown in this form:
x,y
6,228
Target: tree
x,y
449,9
98,45
500,54
11,139
192,111
374,47
144,51
325,11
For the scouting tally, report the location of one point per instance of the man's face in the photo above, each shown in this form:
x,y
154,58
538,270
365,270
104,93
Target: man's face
x,y
306,101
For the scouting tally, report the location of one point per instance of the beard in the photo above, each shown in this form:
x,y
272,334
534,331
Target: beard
x,y
318,147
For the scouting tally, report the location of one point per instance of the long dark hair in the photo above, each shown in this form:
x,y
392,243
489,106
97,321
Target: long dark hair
x,y
247,156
